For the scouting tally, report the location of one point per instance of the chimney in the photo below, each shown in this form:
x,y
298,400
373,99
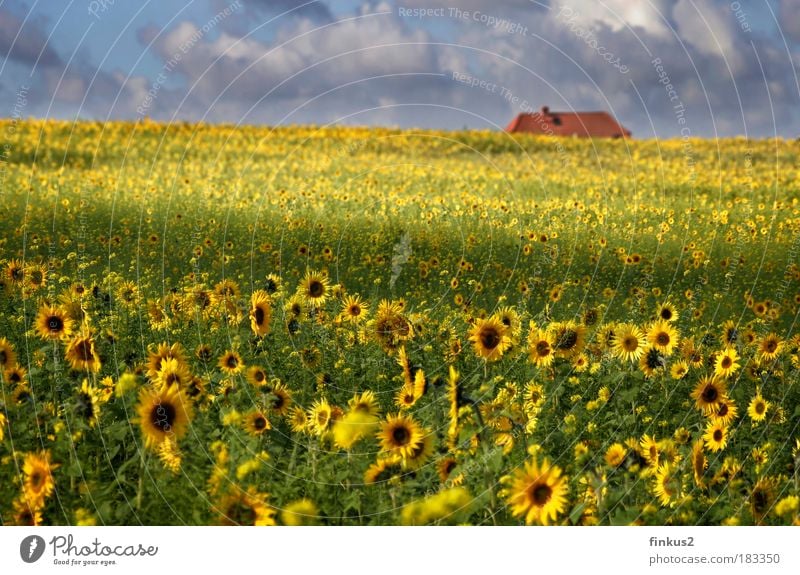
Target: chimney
x,y
545,110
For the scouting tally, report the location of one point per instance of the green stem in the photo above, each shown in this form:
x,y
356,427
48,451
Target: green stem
x,y
140,489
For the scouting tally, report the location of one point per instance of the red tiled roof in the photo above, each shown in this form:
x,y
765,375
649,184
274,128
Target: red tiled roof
x,y
583,124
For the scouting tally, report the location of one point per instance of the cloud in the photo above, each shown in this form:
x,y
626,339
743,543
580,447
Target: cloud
x,y
24,43
787,16
373,66
317,11
349,58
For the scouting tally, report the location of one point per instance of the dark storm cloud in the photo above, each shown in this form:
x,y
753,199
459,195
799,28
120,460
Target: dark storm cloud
x,y
25,43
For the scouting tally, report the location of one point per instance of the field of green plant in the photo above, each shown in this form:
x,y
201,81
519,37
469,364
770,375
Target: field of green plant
x,y
238,325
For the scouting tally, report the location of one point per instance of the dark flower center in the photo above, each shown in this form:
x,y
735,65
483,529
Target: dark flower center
x,y
259,315
316,288
760,501
400,435
241,514
162,416
710,394
489,337
55,324
541,494
568,340
85,407
84,350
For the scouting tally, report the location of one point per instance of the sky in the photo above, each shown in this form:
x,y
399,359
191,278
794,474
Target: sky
x,y
663,68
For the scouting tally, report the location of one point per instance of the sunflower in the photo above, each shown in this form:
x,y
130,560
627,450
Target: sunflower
x,y
163,413
405,397
757,410
652,361
699,462
257,376
81,353
87,405
534,396
300,512
445,466
667,312
173,372
295,307
663,336
272,284
53,323
667,485
320,417
256,423
730,334
21,395
354,426
709,393
726,412
128,294
648,447
16,375
616,454
381,471
7,356
400,435
402,361
298,419
568,338
354,309
420,455
762,498
26,513
15,272
726,363
629,342
278,397
489,338
170,455
365,402
246,508
260,312
314,288
716,436
537,492
679,370
227,289
390,327
540,347
230,362
38,482
769,347
509,317
163,352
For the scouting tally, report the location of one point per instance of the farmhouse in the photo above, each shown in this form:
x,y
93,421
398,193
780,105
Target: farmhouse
x,y
582,124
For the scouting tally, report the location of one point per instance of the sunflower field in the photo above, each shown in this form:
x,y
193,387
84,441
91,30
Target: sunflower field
x,y
300,325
